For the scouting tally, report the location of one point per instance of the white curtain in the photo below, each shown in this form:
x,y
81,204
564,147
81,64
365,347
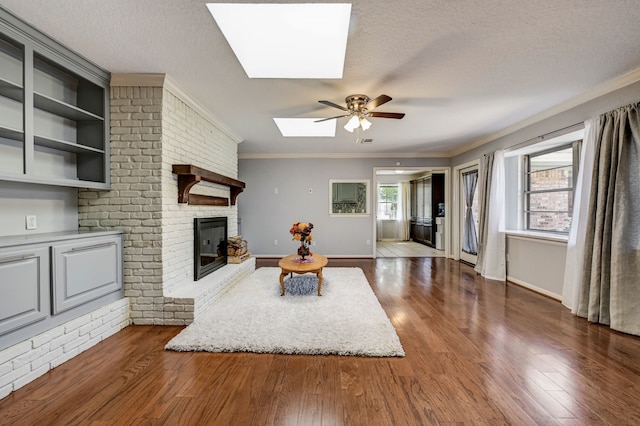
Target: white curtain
x,y
491,248
577,233
405,211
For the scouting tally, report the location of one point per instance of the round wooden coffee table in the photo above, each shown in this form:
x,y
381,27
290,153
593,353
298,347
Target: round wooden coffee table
x,y
289,265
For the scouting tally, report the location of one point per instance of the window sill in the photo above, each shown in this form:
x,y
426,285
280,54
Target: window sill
x,y
537,236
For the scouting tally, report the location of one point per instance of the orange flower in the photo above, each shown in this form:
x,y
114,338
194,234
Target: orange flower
x,y
301,231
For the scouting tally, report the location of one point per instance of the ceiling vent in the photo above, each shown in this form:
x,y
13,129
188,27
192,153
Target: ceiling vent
x,y
364,140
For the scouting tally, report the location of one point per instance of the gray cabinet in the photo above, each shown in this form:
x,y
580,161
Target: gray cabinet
x,y
53,111
24,286
49,279
85,270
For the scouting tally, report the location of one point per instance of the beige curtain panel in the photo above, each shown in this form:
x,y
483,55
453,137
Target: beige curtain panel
x,y
610,292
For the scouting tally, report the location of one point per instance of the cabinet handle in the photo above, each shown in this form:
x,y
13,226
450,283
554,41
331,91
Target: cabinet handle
x,y
20,257
95,246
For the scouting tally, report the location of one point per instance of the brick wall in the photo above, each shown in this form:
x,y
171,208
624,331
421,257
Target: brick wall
x,y
30,359
551,201
153,126
134,204
190,138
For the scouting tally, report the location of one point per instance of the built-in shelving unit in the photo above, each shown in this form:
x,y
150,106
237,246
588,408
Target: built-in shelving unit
x,y
189,175
53,111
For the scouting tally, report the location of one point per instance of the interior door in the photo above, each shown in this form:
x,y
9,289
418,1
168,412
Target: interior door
x,y
469,213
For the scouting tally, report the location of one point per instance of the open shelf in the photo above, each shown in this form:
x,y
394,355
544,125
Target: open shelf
x,y
9,133
189,175
64,145
63,109
11,90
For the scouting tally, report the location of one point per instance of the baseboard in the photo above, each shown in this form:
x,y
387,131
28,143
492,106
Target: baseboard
x,y
535,289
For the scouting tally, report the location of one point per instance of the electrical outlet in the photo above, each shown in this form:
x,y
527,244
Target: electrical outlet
x,y
275,191
368,242
275,242
314,243
32,222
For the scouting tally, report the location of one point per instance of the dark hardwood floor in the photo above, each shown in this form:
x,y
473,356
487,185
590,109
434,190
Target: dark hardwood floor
x,y
478,352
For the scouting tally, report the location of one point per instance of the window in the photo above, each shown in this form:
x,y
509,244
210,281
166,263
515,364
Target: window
x,y
348,197
387,202
549,183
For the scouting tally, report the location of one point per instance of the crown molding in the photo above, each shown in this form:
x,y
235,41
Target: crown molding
x,y
166,82
342,155
137,80
601,90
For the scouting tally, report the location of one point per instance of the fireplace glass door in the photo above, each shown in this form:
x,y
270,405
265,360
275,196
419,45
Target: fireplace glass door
x,y
210,245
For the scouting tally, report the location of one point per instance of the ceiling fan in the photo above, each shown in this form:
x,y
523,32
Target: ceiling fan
x,y
359,107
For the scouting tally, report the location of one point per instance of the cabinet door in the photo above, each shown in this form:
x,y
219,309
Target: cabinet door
x,y
347,193
24,287
85,270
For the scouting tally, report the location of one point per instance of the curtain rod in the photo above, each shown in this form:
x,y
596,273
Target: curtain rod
x,y
540,138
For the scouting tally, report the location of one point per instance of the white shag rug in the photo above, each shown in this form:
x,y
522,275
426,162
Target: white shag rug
x,y
252,317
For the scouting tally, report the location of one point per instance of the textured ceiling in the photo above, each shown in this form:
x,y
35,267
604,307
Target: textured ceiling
x,y
461,70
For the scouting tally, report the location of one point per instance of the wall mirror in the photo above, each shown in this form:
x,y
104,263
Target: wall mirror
x,y
348,197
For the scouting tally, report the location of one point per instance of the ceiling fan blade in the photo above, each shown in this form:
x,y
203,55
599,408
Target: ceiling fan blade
x,y
331,118
374,103
386,114
331,104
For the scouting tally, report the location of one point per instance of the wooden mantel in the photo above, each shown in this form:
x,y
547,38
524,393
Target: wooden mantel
x,y
189,175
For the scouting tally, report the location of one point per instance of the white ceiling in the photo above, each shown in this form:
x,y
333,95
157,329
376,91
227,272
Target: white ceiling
x,y
461,70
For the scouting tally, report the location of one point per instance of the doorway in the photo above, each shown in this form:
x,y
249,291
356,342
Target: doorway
x,y
396,212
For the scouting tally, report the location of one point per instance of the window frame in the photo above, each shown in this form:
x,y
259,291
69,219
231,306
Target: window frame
x,y
526,191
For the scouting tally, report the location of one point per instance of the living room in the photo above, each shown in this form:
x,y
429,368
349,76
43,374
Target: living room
x,y
157,121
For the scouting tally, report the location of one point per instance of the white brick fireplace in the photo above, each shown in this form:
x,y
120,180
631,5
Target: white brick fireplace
x,y
154,125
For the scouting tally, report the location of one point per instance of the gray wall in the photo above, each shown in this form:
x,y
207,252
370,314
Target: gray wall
x,y
266,216
56,208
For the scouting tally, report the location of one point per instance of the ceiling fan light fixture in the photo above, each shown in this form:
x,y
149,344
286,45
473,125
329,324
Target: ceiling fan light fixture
x,y
358,109
352,124
364,123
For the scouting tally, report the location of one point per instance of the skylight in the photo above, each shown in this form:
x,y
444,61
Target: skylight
x,y
286,40
305,127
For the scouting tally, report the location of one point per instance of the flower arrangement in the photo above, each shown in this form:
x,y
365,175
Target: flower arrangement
x,y
302,232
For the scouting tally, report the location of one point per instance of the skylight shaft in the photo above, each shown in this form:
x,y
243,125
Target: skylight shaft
x,y
305,127
286,40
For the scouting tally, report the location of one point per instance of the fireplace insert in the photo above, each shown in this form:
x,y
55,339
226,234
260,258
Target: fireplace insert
x,y
209,245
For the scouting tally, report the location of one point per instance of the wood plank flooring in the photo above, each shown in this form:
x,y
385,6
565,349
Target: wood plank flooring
x,y
478,352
